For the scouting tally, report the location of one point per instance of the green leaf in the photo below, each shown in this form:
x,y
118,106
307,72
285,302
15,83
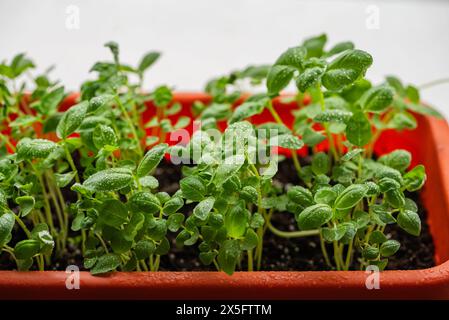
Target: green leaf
x,y
395,198
23,121
312,138
410,222
403,120
227,168
415,178
320,163
134,226
377,99
358,130
288,141
202,209
278,78
148,60
247,109
387,184
340,47
192,188
28,149
315,45
163,247
162,96
157,229
236,221
425,110
381,263
144,249
250,240
7,221
396,84
325,195
377,237
182,122
370,252
26,204
113,213
63,179
144,202
104,135
336,116
108,180
300,195
293,57
207,257
71,120
173,205
26,249
350,196
42,234
228,256
98,102
398,159
50,101
149,182
106,263
175,221
151,159
334,233
19,64
314,217
351,154
389,248
309,78
412,93
249,193
346,69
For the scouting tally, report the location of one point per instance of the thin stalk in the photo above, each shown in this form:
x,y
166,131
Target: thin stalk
x,y
40,262
130,124
71,163
337,255
326,126
151,263
292,234
250,260
216,264
349,255
434,83
103,243
11,253
39,259
49,217
144,265
156,263
377,134
278,119
58,209
324,250
63,206
260,232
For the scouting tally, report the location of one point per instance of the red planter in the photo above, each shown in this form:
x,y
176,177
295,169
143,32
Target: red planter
x,y
429,145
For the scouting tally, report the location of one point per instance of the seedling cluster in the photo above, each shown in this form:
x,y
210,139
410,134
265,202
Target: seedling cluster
x,y
84,176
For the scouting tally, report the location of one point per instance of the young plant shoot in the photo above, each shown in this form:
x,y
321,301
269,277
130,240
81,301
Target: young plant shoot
x,y
82,180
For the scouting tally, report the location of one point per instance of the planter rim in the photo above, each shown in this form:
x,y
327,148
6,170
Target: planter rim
x,y
427,283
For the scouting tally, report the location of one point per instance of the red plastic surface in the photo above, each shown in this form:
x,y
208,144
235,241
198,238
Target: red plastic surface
x,y
429,145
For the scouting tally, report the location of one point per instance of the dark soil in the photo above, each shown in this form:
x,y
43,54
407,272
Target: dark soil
x,y
301,253
278,253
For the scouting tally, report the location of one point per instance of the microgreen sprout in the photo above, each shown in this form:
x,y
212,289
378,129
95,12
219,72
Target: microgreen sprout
x,y
86,176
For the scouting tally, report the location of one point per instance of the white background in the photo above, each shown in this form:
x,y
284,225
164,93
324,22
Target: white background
x,y
201,39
